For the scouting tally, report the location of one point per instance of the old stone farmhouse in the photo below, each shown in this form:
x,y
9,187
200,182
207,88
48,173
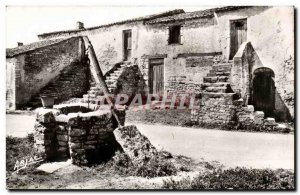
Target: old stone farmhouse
x,y
222,54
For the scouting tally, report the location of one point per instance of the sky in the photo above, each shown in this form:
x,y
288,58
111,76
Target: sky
x,y
24,23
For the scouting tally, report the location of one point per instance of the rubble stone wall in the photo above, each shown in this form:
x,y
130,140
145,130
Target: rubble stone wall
x,y
226,112
215,110
131,82
85,137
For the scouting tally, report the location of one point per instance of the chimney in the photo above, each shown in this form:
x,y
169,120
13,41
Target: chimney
x,y
79,25
19,44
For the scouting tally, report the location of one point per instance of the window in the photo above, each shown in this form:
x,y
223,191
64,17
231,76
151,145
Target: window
x,y
174,34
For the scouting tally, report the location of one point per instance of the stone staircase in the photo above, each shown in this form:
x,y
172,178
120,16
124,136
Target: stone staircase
x,y
218,97
95,95
217,80
54,87
111,77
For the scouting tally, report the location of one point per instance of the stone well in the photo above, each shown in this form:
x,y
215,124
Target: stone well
x,y
78,131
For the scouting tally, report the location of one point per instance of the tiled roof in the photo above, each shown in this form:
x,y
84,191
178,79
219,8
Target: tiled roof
x,y
145,18
193,15
10,52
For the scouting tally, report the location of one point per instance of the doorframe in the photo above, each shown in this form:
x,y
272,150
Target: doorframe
x,y
123,43
229,27
150,75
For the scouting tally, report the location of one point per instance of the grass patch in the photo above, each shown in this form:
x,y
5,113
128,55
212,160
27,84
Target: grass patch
x,y
122,165
236,179
18,149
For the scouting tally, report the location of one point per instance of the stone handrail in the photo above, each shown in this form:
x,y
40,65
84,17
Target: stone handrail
x,y
244,62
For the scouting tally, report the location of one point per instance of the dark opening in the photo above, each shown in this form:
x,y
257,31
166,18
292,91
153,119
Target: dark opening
x,y
264,91
174,34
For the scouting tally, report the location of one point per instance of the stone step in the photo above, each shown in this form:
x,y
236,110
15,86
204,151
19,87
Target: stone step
x,y
223,73
222,67
111,89
216,95
95,92
218,74
219,84
114,85
270,121
110,81
224,64
111,77
117,71
216,89
215,79
95,88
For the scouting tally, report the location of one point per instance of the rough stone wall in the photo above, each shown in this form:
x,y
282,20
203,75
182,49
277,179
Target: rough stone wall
x,y
131,82
191,77
223,111
215,110
85,137
35,69
73,82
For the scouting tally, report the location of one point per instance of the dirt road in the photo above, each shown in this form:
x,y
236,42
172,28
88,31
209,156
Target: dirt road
x,y
256,150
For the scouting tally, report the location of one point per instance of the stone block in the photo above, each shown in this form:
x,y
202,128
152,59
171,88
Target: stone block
x,y
91,137
282,128
93,131
45,116
250,108
62,118
62,149
89,147
269,121
62,143
91,142
62,137
259,114
75,145
78,151
77,132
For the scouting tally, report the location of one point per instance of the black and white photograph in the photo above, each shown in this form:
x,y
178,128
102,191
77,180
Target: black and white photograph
x,y
165,98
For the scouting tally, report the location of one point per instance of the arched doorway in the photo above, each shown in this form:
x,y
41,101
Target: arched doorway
x,y
264,90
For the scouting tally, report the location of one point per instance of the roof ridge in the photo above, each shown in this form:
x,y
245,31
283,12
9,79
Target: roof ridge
x,y
195,14
143,18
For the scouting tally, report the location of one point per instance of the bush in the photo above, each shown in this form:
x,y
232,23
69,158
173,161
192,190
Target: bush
x,y
237,179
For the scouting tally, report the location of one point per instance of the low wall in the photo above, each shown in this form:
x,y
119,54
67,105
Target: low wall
x,y
225,112
215,109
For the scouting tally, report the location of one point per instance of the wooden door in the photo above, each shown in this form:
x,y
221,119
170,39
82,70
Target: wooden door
x,y
156,80
264,92
127,44
238,35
